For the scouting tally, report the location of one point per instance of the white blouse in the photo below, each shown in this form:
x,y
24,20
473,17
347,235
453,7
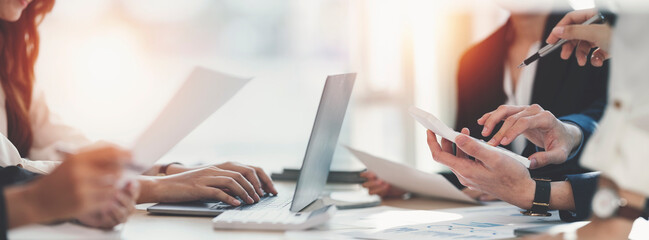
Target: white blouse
x,y
522,95
620,146
49,134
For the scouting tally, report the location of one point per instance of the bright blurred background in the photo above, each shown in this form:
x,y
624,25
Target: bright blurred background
x,y
109,66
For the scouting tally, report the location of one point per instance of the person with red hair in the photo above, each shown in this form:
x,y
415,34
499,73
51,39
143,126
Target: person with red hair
x,y
32,137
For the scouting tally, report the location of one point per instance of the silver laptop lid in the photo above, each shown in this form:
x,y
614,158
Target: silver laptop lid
x,y
323,140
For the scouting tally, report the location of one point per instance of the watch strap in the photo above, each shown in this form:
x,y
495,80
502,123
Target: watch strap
x,y
541,202
629,212
645,215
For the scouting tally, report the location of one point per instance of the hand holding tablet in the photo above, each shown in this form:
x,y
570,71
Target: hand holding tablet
x,y
430,122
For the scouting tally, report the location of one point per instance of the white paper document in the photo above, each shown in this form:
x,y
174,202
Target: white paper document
x,y
411,179
204,92
430,122
485,222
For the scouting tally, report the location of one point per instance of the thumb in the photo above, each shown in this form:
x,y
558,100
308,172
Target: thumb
x,y
477,149
541,159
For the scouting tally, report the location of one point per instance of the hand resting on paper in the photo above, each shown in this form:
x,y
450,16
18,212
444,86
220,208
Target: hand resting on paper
x,y
377,186
383,189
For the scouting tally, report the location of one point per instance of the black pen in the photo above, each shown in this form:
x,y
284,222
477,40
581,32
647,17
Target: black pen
x,y
551,47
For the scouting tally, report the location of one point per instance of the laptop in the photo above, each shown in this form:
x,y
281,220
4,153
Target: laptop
x,y
315,166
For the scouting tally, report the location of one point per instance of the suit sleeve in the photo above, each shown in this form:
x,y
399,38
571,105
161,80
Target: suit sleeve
x,y
583,189
587,125
3,216
8,176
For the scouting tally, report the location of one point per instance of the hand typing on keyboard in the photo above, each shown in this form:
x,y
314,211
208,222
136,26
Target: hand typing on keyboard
x,y
219,182
267,201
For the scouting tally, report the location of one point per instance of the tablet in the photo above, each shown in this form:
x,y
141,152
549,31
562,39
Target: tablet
x,y
430,122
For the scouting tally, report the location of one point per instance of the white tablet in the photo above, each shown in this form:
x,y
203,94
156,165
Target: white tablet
x,y
430,122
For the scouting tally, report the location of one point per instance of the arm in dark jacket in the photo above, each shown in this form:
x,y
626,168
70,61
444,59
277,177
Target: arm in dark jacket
x,y
9,176
583,189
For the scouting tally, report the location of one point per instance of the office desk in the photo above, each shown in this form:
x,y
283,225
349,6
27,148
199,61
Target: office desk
x,y
142,225
145,226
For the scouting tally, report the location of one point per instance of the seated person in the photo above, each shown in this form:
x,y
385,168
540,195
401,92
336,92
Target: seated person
x,y
617,149
84,187
489,77
36,133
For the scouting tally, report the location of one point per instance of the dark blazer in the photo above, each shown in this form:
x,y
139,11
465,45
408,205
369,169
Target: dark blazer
x,y
10,176
574,93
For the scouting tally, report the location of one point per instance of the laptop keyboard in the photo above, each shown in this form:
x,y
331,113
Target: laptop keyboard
x,y
267,201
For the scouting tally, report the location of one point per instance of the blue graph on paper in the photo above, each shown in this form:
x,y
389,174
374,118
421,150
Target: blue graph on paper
x,y
482,229
479,224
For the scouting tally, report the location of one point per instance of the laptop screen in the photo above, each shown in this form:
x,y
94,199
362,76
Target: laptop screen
x,y
323,140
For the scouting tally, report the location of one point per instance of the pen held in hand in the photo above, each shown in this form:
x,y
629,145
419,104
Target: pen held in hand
x,y
551,47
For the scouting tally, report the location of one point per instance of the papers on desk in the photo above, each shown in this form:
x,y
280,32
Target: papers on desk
x,y
410,179
204,92
484,222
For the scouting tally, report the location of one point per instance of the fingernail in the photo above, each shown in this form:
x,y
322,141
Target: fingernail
x,y
558,30
492,142
504,140
483,198
484,130
461,140
532,162
250,200
236,202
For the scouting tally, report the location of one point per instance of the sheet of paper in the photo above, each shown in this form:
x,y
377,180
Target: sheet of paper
x,y
431,122
368,219
204,92
484,222
411,179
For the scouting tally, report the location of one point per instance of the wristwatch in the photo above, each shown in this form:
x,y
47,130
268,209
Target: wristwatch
x,y
541,202
607,203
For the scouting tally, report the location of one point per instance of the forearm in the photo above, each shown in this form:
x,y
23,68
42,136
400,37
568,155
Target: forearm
x,y
633,199
20,207
171,169
148,189
153,171
560,197
178,168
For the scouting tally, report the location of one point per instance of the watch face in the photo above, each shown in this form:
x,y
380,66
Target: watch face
x,y
605,203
